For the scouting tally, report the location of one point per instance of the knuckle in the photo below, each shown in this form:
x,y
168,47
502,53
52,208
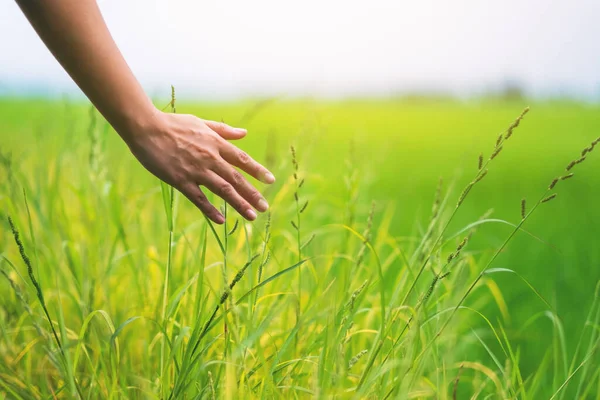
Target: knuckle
x,y
237,178
254,195
243,157
226,189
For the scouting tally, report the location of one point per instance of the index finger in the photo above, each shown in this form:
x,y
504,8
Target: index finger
x,y
243,161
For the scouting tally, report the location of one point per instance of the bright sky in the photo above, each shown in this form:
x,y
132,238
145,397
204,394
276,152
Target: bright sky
x,y
224,49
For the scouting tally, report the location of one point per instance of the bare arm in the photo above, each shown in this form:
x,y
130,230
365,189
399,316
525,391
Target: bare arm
x,y
182,150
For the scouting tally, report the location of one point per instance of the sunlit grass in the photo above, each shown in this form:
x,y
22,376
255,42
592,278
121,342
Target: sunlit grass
x,y
364,293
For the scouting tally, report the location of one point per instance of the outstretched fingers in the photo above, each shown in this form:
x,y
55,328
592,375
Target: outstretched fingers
x,y
243,161
198,198
228,192
241,185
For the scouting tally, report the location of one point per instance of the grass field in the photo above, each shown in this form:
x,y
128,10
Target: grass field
x,y
351,300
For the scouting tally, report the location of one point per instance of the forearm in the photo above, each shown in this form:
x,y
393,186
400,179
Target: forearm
x,y
182,150
76,34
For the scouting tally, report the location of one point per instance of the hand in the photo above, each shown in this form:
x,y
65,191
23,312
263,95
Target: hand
x,y
187,152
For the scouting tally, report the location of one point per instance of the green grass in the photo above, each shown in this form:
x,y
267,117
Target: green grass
x,y
147,300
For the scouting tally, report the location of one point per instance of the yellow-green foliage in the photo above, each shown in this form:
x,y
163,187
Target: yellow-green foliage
x,y
353,285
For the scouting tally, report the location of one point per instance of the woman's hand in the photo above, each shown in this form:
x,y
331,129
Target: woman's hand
x,y
182,150
187,152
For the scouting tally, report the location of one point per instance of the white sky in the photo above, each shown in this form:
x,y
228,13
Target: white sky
x,y
218,48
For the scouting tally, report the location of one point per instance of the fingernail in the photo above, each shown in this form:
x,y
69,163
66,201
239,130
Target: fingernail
x,y
240,130
220,219
251,215
269,178
262,205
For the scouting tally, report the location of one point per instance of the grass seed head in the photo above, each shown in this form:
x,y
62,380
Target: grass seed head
x,y
523,208
481,176
462,244
496,152
480,164
547,199
213,394
235,226
499,140
464,194
575,162
355,294
304,207
238,277
516,123
266,260
356,358
173,99
294,160
565,177
553,183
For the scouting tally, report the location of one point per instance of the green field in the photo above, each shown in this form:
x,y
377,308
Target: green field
x,y
133,279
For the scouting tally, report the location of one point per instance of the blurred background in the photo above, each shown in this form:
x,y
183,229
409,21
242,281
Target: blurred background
x,y
399,93
231,49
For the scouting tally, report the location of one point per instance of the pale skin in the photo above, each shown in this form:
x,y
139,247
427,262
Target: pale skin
x,y
184,151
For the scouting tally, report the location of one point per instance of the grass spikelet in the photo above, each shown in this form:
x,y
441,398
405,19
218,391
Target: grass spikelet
x,y
547,199
173,99
553,183
462,244
523,208
356,358
575,162
211,383
480,164
235,226
294,225
443,276
294,159
464,194
308,241
265,252
480,176
564,178
355,294
265,261
496,152
432,285
456,253
36,284
366,235
238,277
304,207
499,140
516,123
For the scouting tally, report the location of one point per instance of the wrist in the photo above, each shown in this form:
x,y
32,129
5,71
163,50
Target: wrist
x,y
141,121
